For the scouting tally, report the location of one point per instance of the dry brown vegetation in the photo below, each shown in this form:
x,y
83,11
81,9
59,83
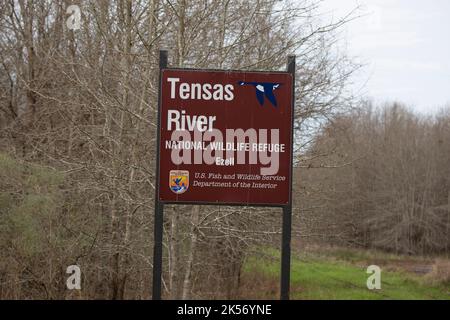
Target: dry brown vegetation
x,y
384,182
77,148
80,108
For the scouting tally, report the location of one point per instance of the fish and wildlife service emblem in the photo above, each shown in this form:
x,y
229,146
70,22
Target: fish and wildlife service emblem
x,y
178,181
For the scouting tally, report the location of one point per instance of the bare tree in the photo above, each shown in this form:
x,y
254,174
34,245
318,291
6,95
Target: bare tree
x,y
83,103
389,183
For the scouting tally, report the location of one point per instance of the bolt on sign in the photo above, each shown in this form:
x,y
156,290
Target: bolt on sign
x,y
225,137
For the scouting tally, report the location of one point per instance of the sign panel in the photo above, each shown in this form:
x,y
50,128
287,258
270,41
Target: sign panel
x,y
225,137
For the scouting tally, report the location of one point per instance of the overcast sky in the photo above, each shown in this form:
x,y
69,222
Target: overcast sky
x,y
405,45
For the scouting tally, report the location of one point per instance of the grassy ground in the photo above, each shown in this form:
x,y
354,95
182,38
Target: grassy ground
x,y
341,274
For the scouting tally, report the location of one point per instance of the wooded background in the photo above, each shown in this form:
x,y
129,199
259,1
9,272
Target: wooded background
x,y
77,148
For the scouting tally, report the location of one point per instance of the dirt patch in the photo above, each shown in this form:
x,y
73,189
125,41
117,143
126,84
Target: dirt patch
x,y
422,266
411,266
440,272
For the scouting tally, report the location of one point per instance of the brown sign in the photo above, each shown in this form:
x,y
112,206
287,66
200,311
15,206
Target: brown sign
x,y
225,137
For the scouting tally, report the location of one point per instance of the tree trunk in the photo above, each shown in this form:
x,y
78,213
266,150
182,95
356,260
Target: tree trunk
x,y
187,284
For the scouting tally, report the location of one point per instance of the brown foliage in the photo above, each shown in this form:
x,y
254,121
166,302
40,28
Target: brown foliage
x,y
83,104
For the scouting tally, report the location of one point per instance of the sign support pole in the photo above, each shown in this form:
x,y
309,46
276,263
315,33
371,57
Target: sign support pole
x,y
287,210
159,207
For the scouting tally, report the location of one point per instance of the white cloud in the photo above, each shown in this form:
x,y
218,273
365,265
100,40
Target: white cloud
x,y
406,47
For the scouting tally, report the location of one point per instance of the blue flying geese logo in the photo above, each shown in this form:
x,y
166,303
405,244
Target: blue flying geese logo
x,y
263,89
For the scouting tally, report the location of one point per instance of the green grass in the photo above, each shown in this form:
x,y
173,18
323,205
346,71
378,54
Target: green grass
x,y
332,277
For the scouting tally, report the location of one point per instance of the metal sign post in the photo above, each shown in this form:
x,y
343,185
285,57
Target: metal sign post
x,y
159,207
287,210
224,138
